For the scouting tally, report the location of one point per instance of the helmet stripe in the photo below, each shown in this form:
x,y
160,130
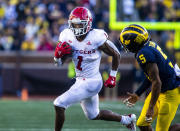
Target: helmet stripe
x,y
145,36
133,29
121,38
137,27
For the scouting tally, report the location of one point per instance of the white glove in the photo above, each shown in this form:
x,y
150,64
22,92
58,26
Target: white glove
x,y
57,62
127,103
148,119
177,70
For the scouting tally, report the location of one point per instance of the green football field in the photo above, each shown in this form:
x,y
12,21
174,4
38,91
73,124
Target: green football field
x,y
38,115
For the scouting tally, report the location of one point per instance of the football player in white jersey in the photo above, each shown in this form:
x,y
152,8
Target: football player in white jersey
x,y
85,45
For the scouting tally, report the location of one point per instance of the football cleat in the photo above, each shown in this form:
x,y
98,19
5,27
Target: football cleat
x,y
132,122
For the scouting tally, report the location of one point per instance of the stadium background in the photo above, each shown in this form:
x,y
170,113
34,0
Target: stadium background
x,y
29,30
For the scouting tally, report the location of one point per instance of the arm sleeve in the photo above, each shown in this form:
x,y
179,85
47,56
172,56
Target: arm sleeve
x,y
146,84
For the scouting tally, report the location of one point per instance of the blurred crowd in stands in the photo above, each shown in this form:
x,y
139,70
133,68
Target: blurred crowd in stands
x,y
30,25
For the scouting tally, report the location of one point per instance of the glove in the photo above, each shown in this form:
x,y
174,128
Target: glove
x,y
57,62
110,82
62,49
149,113
148,119
177,70
131,100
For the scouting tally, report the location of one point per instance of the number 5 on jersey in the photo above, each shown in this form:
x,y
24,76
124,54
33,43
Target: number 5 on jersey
x,y
142,58
80,59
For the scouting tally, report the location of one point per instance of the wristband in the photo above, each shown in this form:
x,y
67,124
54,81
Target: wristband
x,y
113,73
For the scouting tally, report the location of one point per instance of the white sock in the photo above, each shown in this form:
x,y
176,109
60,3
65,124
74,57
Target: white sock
x,y
125,120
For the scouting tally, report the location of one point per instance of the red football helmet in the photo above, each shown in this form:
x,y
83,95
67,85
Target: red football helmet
x,y
82,16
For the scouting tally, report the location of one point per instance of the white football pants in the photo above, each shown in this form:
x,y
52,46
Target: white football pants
x,y
84,90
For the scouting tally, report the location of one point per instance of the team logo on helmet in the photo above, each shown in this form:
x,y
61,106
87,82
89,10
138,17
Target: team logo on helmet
x,y
133,37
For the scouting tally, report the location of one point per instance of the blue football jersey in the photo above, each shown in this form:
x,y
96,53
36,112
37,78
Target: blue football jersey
x,y
152,53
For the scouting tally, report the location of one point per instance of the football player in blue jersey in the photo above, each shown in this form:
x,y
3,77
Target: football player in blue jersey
x,y
164,98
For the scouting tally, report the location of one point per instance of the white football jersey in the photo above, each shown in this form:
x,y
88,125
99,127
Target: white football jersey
x,y
86,55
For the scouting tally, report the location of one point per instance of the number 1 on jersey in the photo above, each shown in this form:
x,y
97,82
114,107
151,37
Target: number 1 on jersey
x,y
79,63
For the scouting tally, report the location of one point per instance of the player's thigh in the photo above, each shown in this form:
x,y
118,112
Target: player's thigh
x,y
75,94
167,110
141,120
90,106
82,89
94,85
166,114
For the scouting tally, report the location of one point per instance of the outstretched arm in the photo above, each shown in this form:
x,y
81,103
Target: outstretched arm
x,y
134,97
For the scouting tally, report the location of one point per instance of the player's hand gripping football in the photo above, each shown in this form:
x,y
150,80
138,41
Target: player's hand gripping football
x,y
110,82
62,48
131,100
